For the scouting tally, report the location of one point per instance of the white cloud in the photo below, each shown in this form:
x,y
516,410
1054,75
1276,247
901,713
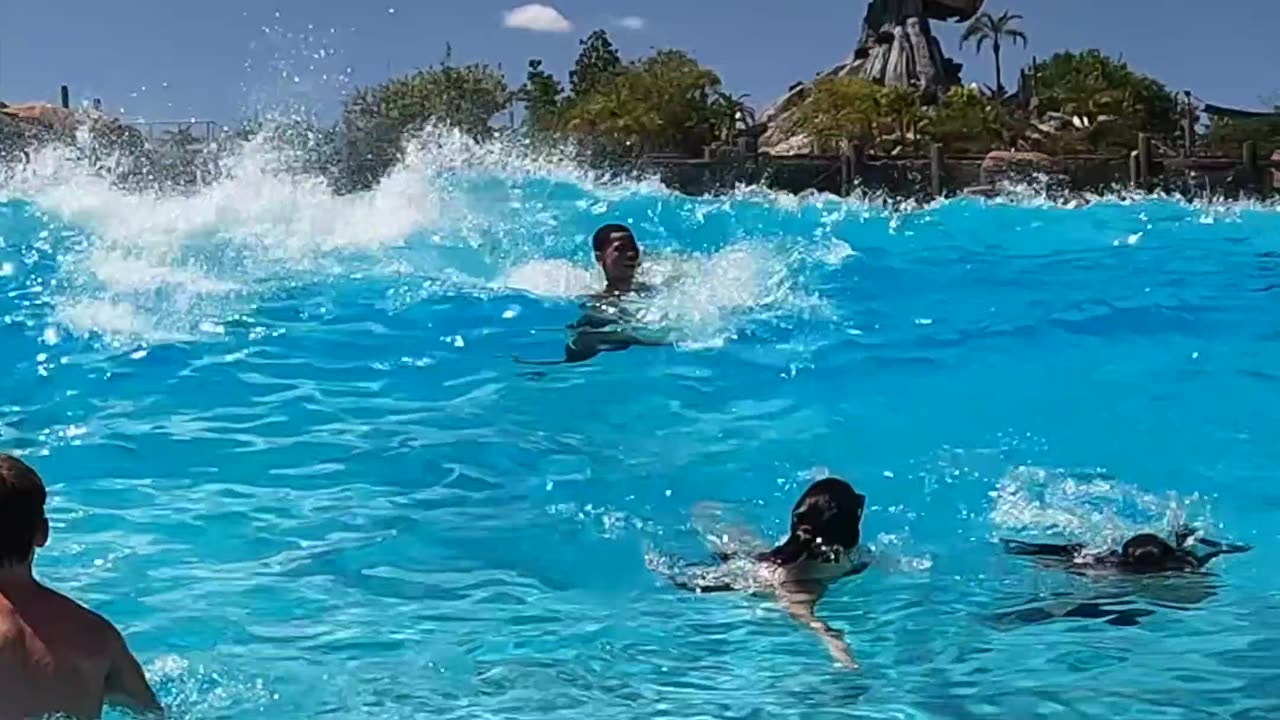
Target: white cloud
x,y
536,17
631,22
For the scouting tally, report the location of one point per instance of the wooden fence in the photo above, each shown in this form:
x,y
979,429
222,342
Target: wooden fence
x,y
936,174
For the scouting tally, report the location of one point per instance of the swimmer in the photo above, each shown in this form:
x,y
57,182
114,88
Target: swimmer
x,y
821,549
1144,553
602,326
56,657
618,255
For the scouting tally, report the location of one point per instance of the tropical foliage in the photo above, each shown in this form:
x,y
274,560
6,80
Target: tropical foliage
x,y
1228,136
541,95
598,63
841,109
376,120
1110,98
966,121
894,119
662,102
666,101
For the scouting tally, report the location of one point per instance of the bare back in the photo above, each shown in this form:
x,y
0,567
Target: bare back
x,y
59,657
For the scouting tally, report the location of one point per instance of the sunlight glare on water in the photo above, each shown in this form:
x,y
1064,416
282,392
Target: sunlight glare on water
x,y
289,452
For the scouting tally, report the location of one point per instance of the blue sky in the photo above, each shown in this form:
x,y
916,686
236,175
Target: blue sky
x,y
164,60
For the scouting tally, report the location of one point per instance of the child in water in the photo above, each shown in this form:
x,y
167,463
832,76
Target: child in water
x,y
1144,553
821,548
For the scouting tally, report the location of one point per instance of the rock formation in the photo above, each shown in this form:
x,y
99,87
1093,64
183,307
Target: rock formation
x,y
26,125
896,48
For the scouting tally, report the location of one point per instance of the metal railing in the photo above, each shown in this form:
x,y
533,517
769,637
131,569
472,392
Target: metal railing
x,y
202,132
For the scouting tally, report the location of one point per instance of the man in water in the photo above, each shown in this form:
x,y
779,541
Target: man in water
x,y
599,328
618,254
56,657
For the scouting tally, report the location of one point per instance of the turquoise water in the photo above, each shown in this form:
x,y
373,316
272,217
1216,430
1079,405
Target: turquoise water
x,y
289,452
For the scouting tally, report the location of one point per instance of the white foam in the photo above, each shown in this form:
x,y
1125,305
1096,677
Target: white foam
x,y
282,214
552,278
457,214
117,319
126,274
699,300
704,299
1092,507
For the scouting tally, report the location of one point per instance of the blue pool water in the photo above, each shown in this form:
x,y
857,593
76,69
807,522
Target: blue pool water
x,y
289,452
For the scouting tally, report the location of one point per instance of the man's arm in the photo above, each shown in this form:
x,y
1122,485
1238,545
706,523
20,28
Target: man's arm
x,y
126,684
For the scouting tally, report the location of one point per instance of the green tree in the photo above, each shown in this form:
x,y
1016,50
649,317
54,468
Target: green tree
x,y
541,95
1228,135
901,106
966,121
663,102
376,119
598,62
996,29
730,114
1095,87
840,109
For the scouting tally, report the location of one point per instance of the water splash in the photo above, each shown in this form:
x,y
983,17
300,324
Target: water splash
x,y
1088,506
154,266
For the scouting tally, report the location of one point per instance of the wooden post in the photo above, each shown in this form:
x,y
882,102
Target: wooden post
x,y
935,169
1250,157
66,97
1134,171
1144,160
851,165
846,168
1189,131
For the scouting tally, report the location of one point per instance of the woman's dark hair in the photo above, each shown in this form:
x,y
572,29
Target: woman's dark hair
x,y
22,498
826,518
602,236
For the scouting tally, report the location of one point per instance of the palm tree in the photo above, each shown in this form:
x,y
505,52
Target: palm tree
x,y
730,114
988,27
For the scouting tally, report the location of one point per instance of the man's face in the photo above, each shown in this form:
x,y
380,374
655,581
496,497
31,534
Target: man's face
x,y
620,257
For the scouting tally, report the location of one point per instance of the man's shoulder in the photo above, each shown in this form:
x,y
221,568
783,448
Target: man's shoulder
x,y
87,621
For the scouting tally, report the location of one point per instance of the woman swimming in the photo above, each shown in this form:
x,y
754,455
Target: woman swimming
x,y
821,548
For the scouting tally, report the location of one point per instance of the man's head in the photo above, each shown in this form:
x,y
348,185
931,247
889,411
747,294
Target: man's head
x,y
1148,552
23,526
617,252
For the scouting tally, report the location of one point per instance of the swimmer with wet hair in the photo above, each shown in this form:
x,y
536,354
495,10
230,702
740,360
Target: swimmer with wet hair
x,y
601,327
820,549
1140,556
1143,553
56,657
618,254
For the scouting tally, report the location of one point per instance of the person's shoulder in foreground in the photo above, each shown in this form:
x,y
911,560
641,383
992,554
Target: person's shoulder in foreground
x,y
56,656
